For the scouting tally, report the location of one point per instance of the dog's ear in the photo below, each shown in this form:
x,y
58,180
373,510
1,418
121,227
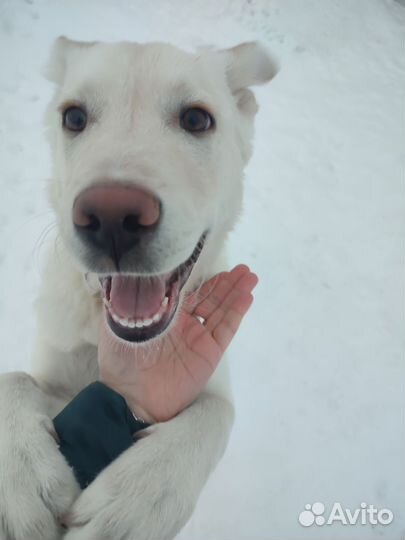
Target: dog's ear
x,y
247,64
63,51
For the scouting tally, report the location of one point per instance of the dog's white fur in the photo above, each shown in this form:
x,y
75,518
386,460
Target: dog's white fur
x,y
133,94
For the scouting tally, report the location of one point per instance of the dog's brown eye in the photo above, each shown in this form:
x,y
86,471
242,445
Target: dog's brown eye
x,y
195,120
74,118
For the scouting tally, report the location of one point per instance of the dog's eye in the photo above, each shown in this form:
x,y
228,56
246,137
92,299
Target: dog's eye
x,y
74,118
196,120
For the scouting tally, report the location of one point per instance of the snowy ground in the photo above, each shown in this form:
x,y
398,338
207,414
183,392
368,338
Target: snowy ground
x,y
319,366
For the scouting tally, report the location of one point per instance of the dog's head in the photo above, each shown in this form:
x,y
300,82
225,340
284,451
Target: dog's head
x,y
149,146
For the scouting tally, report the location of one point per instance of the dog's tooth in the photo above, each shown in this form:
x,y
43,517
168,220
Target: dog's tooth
x,y
139,323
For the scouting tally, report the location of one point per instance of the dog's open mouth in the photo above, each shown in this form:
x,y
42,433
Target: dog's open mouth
x,y
139,308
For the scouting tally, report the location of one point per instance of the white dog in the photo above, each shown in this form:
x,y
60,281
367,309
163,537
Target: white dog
x,y
149,145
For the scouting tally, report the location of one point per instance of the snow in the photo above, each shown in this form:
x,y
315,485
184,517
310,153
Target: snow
x,y
318,367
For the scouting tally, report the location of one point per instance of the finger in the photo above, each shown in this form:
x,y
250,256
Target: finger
x,y
222,325
216,290
226,328
244,286
213,293
239,282
215,285
203,345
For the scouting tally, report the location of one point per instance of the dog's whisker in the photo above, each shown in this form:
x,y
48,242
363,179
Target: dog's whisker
x,y
42,236
36,250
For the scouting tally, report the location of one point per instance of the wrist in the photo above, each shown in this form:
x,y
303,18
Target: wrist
x,y
139,413
127,392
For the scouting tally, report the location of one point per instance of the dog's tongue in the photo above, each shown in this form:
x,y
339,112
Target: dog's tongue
x,y
136,297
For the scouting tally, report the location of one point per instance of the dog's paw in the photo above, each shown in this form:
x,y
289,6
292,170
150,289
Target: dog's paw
x,y
145,494
36,484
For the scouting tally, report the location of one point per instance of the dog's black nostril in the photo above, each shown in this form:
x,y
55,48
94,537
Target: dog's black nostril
x,y
94,223
130,223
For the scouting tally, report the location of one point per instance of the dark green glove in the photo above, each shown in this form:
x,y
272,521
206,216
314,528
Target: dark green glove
x,y
94,429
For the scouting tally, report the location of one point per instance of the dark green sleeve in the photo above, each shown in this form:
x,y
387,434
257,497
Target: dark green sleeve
x,y
94,429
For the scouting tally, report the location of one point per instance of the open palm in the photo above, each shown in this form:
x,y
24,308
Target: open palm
x,y
161,379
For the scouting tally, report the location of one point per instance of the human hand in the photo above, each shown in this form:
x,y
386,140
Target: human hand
x,y
160,379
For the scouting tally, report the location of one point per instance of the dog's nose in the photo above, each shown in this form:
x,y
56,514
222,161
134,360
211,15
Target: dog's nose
x,y
114,218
